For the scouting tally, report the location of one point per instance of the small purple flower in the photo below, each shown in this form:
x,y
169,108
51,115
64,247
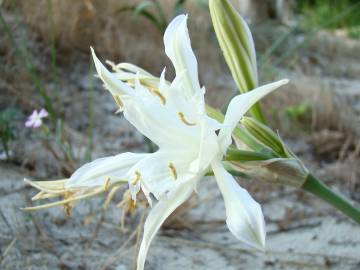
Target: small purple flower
x,y
35,119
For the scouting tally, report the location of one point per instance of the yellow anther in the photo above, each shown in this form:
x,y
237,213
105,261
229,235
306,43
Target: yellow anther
x,y
118,101
173,170
182,118
157,93
154,91
136,178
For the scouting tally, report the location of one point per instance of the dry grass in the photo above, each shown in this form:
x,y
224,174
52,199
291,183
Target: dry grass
x,y
115,35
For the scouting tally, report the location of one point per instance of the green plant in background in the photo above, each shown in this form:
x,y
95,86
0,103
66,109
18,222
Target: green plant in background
x,y
153,11
354,32
7,130
317,13
346,16
24,57
295,112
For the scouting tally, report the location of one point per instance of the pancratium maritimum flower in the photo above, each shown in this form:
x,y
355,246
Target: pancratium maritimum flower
x,y
35,119
173,116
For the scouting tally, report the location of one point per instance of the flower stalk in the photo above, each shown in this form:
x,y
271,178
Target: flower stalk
x,y
320,190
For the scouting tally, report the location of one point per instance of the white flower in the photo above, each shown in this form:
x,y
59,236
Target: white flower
x,y
35,119
173,116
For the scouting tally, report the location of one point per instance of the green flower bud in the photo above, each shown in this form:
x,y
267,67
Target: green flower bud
x,y
237,45
286,171
266,136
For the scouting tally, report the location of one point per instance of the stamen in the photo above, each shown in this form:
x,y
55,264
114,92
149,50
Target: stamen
x,y
68,205
154,91
106,184
182,118
136,178
118,101
68,209
67,199
110,196
157,93
173,170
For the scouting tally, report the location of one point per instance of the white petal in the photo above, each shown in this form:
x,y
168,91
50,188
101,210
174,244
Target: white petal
x,y
157,216
161,124
243,214
193,107
156,174
163,85
43,113
239,105
178,49
208,146
113,84
97,172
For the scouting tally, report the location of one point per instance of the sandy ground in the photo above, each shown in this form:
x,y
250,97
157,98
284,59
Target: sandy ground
x,y
302,233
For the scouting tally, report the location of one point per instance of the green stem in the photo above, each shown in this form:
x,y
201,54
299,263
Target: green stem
x,y
316,187
233,154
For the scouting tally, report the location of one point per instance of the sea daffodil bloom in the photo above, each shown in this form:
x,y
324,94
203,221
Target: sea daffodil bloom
x,y
35,119
173,116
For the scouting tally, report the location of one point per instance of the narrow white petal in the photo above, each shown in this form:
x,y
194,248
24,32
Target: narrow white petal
x,y
239,105
158,215
178,49
208,146
113,84
164,85
97,172
243,214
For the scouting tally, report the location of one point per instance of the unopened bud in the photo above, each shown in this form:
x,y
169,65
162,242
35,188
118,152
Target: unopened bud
x,y
237,45
286,171
266,136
